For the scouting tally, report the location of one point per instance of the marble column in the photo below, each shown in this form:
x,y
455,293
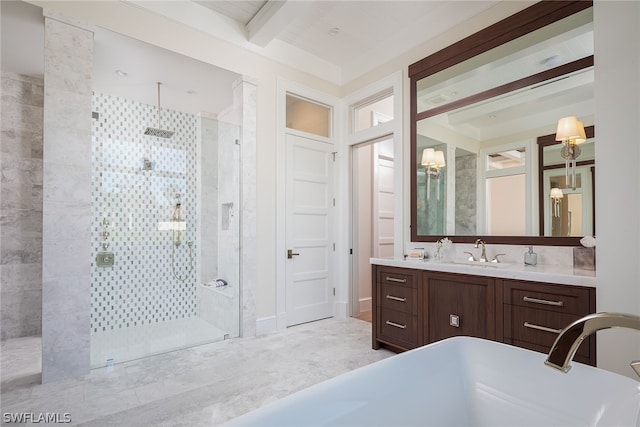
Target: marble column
x,y
244,100
21,206
66,240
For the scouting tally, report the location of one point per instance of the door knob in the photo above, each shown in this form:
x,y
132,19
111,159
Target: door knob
x,y
291,254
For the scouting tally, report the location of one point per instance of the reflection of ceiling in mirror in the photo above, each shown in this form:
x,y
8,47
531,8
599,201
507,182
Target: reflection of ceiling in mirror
x,y
551,46
528,109
506,159
532,109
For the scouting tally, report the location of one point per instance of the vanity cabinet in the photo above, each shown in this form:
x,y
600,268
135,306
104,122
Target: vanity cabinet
x,y
457,304
415,307
535,313
395,298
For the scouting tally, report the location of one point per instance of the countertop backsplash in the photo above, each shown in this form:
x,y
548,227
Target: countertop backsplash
x,y
547,255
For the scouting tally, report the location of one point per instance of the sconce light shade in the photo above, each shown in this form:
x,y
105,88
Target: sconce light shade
x,y
433,158
570,130
556,193
428,157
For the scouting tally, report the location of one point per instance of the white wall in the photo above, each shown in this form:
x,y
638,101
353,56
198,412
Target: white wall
x,y
617,115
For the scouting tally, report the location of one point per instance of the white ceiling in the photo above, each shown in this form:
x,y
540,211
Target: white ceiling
x,y
368,32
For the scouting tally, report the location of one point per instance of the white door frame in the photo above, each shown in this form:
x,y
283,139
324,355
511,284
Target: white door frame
x,y
346,291
285,87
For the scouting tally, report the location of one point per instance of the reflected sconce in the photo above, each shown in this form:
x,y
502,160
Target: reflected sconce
x,y
556,197
432,161
571,133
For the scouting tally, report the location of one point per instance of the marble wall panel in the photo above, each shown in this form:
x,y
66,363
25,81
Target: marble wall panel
x,y
66,262
466,203
245,103
21,206
209,200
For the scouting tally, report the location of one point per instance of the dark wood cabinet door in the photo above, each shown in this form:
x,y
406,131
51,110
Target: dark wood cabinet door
x,y
459,305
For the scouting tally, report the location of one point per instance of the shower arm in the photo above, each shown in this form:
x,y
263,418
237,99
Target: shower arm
x,y
159,83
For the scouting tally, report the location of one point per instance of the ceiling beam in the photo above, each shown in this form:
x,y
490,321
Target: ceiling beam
x,y
272,18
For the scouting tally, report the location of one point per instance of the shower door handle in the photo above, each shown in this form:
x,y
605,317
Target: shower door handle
x,y
291,254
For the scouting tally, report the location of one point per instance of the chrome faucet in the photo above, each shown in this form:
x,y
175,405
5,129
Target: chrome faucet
x,y
483,256
567,343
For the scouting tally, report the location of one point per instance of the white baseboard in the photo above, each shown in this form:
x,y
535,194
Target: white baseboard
x,y
342,309
365,304
266,325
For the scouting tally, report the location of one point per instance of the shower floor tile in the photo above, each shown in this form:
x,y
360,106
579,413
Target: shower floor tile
x,y
121,345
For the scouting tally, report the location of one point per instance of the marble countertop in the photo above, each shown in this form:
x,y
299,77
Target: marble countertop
x,y
566,275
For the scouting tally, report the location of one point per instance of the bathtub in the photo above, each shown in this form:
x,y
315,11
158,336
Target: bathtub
x,y
460,381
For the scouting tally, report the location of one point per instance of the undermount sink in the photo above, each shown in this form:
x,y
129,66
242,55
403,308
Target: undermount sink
x,y
478,263
455,382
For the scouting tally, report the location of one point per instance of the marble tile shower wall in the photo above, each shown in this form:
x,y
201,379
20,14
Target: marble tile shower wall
x,y
135,183
21,206
466,203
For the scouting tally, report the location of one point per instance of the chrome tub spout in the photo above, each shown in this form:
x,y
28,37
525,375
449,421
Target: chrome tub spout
x,y
567,343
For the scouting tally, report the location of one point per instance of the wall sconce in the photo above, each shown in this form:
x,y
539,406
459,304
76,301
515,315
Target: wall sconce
x,y
571,133
433,161
556,196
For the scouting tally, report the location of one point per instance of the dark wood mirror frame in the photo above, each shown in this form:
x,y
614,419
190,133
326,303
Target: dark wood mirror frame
x,y
530,19
545,141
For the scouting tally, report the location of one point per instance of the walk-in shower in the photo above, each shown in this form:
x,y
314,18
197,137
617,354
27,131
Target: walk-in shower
x,y
163,202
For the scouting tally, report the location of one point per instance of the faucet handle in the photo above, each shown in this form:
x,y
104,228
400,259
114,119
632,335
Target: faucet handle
x,y
471,257
496,259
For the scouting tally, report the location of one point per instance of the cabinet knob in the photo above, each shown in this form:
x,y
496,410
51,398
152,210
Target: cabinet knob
x,y
454,320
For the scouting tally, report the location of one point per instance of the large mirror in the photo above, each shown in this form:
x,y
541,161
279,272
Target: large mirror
x,y
479,111
567,206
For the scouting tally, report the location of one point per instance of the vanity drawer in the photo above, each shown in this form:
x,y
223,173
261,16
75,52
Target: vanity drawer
x,y
397,328
397,276
538,327
399,298
557,298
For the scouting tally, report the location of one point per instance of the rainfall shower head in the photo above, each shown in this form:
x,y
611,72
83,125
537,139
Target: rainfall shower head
x,y
162,133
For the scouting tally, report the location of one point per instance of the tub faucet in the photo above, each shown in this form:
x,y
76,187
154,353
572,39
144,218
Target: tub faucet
x,y
483,256
567,343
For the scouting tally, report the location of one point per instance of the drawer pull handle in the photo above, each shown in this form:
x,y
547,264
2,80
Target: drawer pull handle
x,y
391,297
541,328
396,325
393,279
543,301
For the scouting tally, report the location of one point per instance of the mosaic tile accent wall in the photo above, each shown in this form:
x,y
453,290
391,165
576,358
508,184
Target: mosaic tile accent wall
x,y
135,183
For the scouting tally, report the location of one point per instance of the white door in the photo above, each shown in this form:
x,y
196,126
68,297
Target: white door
x,y
383,203
309,231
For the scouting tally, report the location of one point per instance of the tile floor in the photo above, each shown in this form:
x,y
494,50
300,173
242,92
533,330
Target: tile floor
x,y
199,386
132,343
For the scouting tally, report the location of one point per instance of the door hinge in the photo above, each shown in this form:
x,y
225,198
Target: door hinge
x,y
334,292
334,202
334,247
334,155
350,251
